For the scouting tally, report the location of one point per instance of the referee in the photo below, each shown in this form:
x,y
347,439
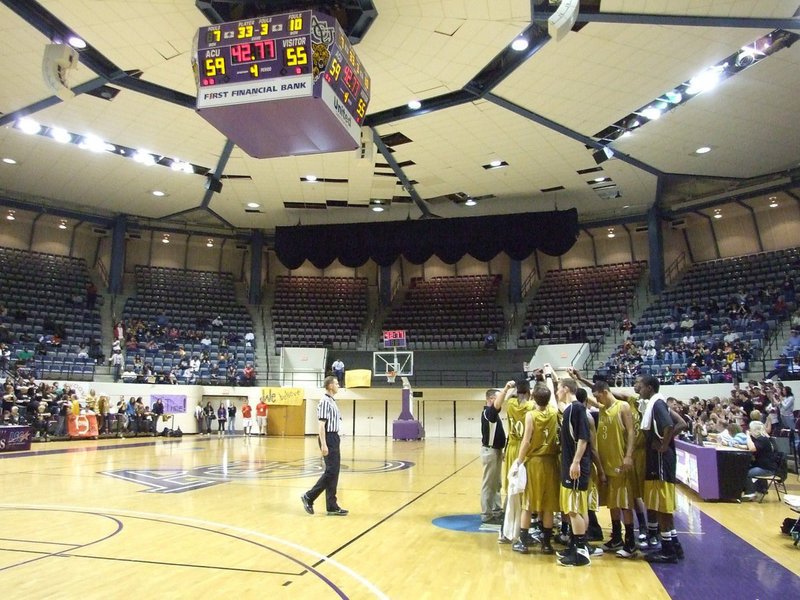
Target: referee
x,y
329,416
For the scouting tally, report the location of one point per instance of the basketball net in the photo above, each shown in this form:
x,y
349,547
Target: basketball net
x,y
390,376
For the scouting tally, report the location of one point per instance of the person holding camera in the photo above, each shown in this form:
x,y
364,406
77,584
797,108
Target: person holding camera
x,y
493,440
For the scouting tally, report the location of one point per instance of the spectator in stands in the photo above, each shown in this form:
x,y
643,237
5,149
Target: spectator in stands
x,y
161,319
230,374
693,373
217,323
91,295
530,332
338,371
794,340
787,289
787,408
687,323
670,326
764,459
206,341
780,309
490,341
116,364
626,328
781,368
250,339
544,328
248,375
688,338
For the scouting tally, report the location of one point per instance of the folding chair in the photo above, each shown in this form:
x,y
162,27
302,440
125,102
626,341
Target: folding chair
x,y
778,479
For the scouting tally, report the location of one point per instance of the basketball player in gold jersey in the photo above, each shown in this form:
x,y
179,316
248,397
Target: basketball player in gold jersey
x,y
516,408
538,455
639,453
616,439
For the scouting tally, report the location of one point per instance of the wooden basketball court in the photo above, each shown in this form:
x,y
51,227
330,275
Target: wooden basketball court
x,y
208,516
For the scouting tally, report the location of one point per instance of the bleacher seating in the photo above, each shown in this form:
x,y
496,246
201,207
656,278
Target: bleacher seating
x,y
48,289
583,304
190,300
755,280
319,311
449,312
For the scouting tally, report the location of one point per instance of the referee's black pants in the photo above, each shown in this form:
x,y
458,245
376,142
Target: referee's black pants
x,y
330,477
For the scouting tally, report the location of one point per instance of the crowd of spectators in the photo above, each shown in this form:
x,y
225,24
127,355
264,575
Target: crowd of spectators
x,y
704,342
158,352
46,408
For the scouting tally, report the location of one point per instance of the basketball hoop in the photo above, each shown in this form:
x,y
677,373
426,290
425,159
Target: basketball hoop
x,y
390,375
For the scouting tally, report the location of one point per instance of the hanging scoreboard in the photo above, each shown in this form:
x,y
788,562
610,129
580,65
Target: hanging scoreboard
x,y
282,85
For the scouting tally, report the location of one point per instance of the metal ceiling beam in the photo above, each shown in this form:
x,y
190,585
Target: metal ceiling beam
x,y
62,213
88,86
677,20
507,61
214,178
430,105
578,137
398,170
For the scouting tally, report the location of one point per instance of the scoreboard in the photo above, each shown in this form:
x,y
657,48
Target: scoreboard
x,y
280,85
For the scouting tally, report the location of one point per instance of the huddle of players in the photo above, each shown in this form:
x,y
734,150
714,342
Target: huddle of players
x,y
617,463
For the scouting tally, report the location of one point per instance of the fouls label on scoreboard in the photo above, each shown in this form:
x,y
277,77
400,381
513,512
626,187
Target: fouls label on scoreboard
x,y
256,91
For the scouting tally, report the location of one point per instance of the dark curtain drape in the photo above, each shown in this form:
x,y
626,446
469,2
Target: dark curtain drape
x,y
353,244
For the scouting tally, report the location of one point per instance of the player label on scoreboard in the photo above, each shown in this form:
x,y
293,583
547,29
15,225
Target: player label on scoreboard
x,y
254,75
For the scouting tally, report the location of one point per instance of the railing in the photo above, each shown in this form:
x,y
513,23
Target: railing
x,y
101,269
528,283
673,271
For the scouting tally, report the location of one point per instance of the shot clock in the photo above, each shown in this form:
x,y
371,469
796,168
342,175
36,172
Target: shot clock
x,y
282,85
395,338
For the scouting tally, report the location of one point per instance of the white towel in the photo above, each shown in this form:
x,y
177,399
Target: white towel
x,y
517,481
647,417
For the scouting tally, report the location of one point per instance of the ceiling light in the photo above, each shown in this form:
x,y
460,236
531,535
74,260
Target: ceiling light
x,y
673,97
626,206
414,104
377,208
62,136
92,143
625,134
773,202
519,44
10,216
377,205
311,178
9,161
611,232
29,126
253,205
181,166
599,179
63,224
145,158
717,213
703,150
470,202
210,243
705,81
165,239
76,42
158,193
652,113
495,164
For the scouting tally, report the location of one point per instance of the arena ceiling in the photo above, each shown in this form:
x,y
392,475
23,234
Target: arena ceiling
x,y
542,112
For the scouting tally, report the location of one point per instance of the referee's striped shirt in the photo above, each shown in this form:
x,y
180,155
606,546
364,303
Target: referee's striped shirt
x,y
328,411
